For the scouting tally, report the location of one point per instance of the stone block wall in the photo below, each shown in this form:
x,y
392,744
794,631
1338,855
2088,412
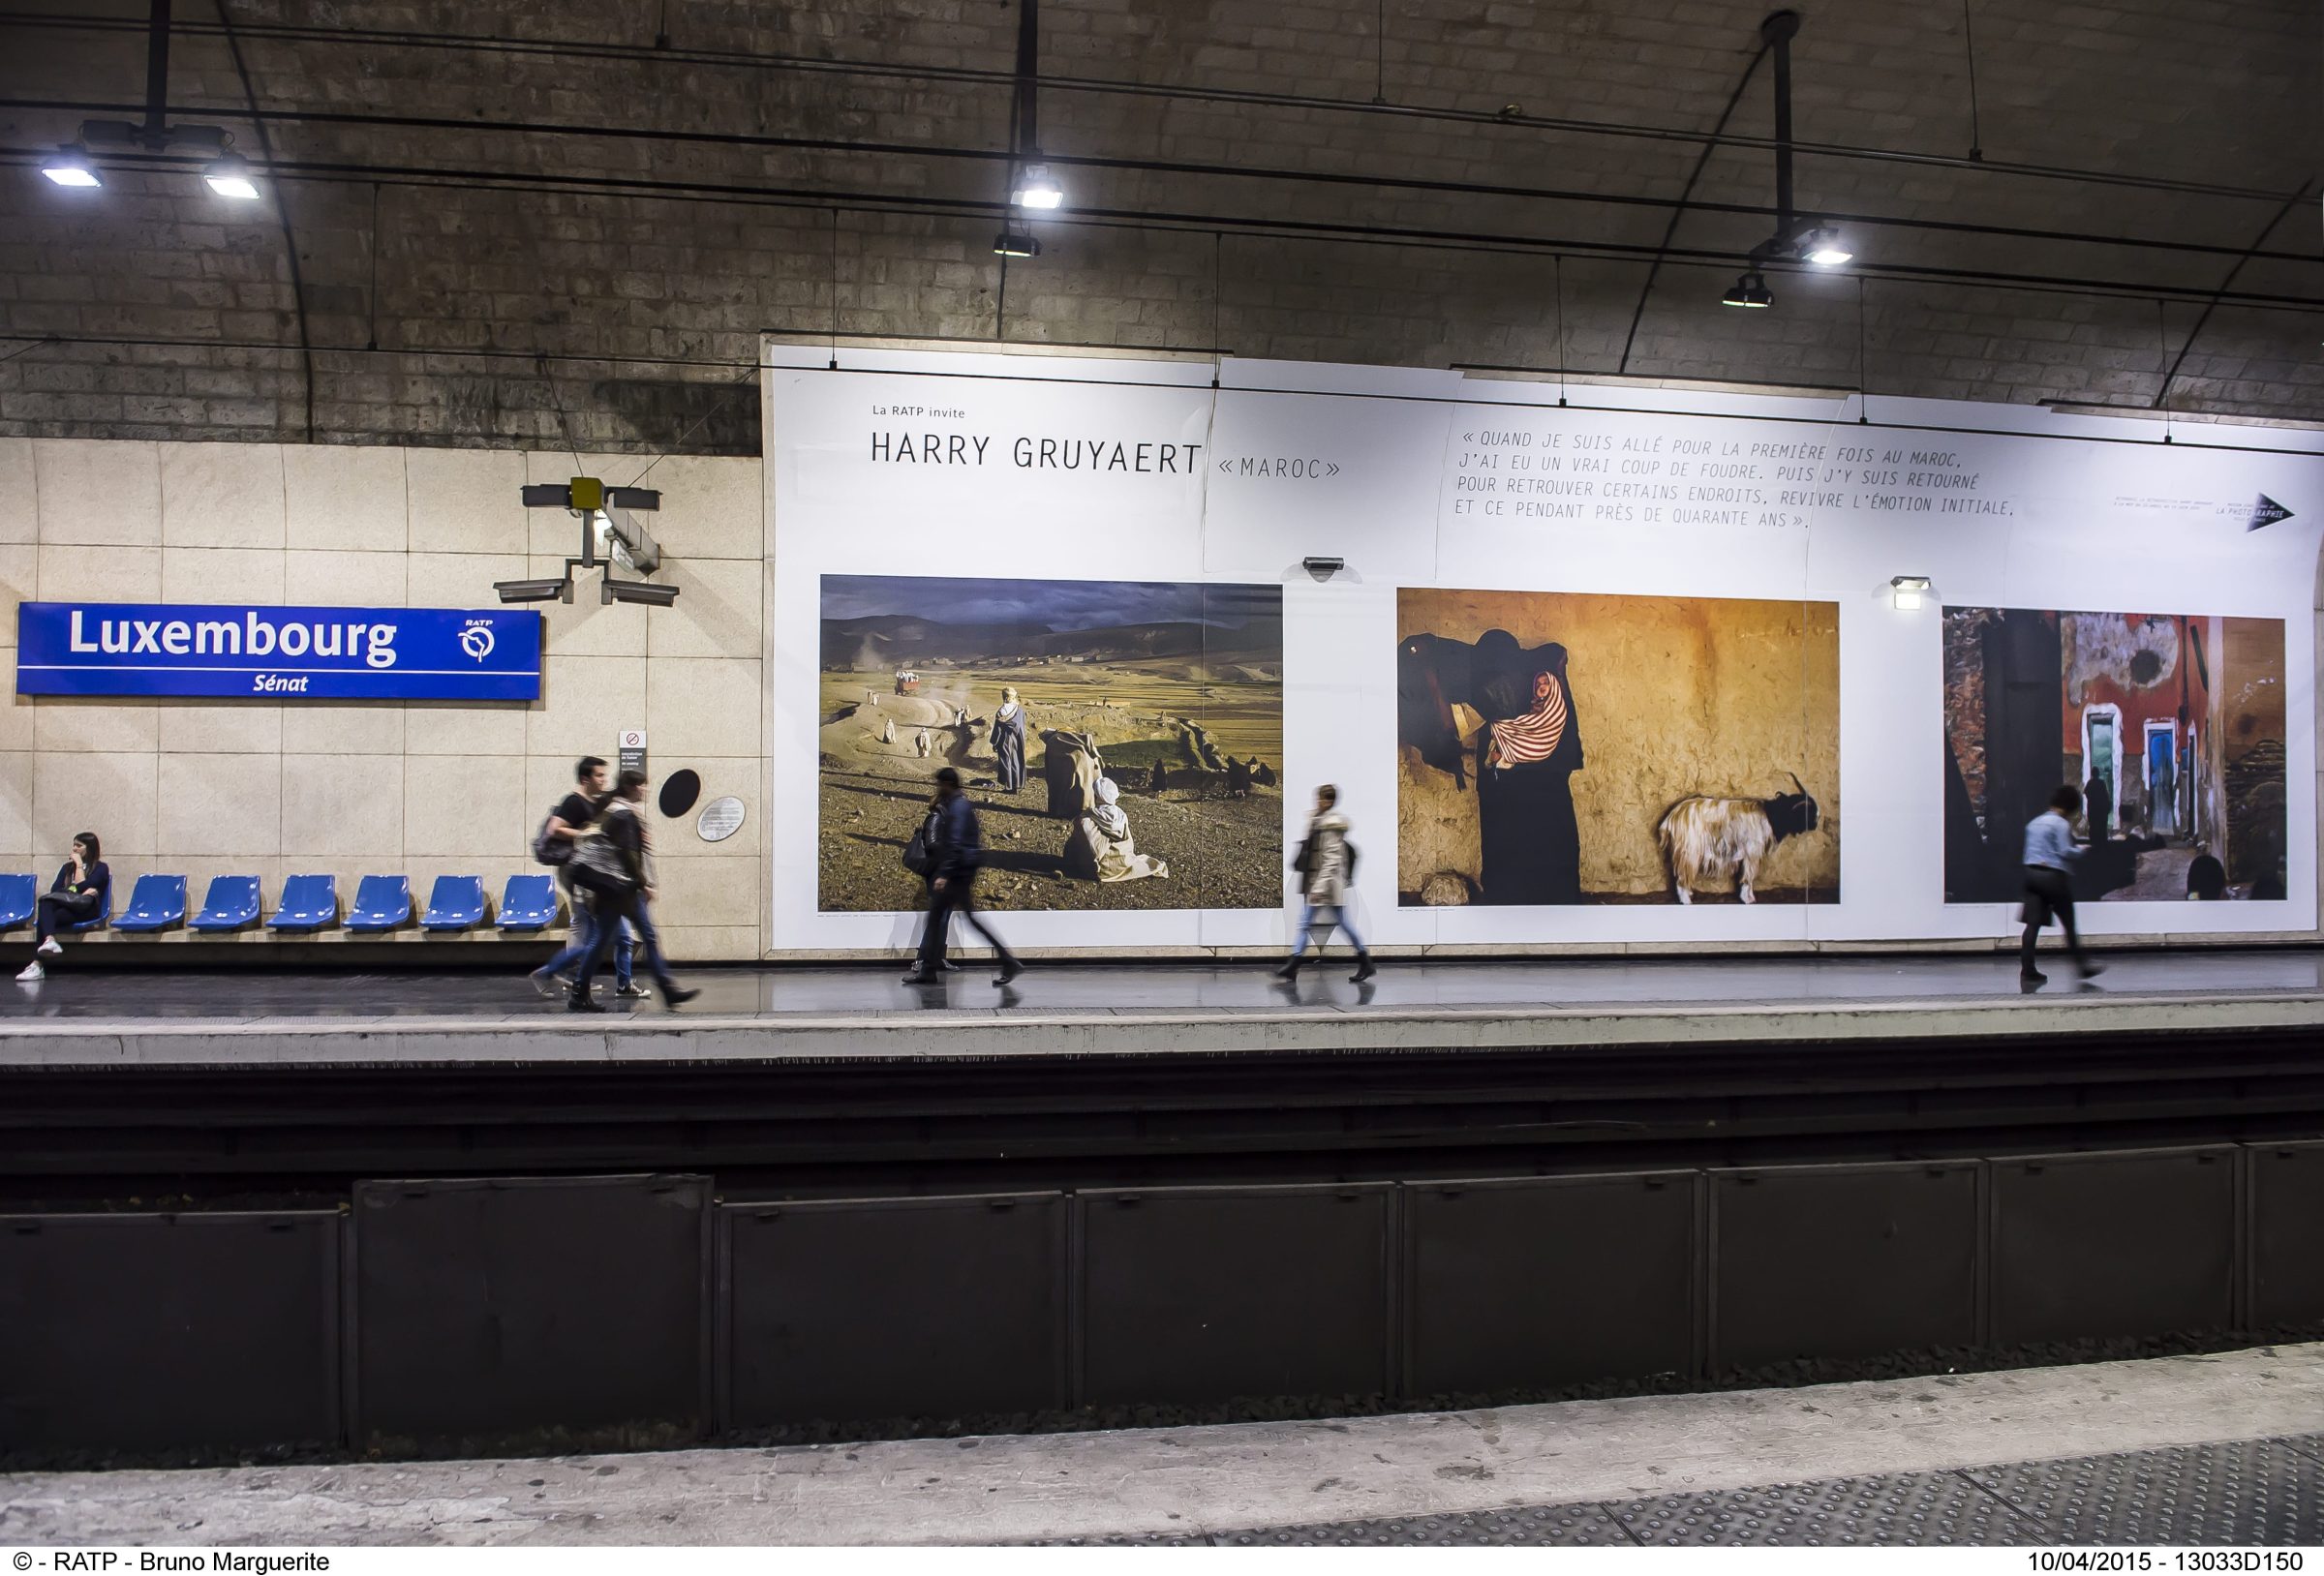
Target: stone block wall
x,y
491,253
205,788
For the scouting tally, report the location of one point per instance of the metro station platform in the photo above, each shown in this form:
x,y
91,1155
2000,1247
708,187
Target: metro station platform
x,y
1081,1009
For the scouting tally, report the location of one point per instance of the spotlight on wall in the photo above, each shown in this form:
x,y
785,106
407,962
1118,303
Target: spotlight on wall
x,y
1037,188
534,590
1323,568
1749,290
1823,247
228,176
71,166
1908,591
635,590
1016,243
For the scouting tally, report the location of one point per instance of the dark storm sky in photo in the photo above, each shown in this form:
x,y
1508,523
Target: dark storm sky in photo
x,y
1056,605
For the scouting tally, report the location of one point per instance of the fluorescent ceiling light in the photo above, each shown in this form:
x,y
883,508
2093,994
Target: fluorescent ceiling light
x,y
229,177
70,165
1825,248
1037,188
1011,243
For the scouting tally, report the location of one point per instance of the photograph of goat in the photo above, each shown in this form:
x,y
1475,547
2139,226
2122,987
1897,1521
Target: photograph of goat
x,y
1558,748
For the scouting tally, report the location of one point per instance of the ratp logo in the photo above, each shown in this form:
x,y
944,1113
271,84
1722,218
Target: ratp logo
x,y
476,641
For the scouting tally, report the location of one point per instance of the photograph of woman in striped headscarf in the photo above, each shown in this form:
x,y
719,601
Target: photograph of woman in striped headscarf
x,y
1532,747
1715,782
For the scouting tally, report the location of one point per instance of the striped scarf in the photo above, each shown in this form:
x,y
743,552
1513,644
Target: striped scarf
x,y
1534,736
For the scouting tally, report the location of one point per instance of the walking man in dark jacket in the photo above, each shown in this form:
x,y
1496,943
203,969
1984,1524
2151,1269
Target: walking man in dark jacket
x,y
615,870
955,848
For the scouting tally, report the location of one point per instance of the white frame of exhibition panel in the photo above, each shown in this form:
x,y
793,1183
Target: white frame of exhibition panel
x,y
829,510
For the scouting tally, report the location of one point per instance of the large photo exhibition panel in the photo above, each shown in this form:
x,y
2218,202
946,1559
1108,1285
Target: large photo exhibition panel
x,y
1717,570
1122,740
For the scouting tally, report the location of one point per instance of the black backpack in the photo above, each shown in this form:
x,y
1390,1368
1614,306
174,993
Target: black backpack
x,y
548,850
920,854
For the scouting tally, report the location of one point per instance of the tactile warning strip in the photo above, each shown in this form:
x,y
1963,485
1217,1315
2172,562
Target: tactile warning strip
x,y
2248,1492
1934,1509
2245,1492
1535,1527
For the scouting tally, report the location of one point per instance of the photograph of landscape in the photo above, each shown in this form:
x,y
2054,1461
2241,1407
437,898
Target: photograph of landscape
x,y
1122,740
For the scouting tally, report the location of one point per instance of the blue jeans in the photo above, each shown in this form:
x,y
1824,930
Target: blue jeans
x,y
584,933
1339,917
613,910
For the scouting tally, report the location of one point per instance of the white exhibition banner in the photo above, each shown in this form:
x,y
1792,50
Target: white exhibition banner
x,y
1597,664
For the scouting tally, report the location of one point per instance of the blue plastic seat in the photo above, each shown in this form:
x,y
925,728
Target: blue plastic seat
x,y
528,904
230,905
309,903
382,903
157,902
456,903
17,895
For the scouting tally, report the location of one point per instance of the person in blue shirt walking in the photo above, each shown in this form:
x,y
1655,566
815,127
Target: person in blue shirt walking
x,y
2050,853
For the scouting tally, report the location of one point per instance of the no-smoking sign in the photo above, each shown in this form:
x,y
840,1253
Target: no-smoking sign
x,y
633,749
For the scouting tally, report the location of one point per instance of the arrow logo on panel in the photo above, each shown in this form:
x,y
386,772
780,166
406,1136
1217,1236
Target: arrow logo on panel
x,y
2266,512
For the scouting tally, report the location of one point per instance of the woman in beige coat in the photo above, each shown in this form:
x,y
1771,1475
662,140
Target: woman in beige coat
x,y
1326,864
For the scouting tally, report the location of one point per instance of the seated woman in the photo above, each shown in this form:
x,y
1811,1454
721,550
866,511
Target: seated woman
x,y
1100,847
79,893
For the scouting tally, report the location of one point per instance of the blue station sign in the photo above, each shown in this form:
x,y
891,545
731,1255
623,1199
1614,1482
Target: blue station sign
x,y
363,654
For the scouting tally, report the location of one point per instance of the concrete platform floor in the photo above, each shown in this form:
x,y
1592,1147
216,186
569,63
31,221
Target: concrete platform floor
x,y
2220,1447
95,1018
245,996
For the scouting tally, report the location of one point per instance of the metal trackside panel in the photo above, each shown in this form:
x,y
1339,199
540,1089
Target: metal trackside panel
x,y
147,1331
2287,1234
1824,1262
878,1308
494,1307
1200,1294
2088,1246
1534,1283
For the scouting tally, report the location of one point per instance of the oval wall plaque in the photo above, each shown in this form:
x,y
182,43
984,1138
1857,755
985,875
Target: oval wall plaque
x,y
720,819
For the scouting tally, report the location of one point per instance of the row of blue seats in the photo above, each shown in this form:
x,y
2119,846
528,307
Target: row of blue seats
x,y
309,903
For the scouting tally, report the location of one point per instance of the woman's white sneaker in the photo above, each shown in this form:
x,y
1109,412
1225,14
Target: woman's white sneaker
x,y
33,972
49,949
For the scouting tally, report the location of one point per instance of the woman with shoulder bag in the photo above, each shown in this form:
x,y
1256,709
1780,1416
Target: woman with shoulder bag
x,y
613,868
1327,864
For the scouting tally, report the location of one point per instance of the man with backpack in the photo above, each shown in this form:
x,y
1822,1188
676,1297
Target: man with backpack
x,y
952,846
553,846
613,871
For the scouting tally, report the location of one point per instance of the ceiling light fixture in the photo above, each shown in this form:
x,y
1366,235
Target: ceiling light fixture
x,y
228,176
1823,247
1796,239
1016,243
1908,591
1037,188
70,165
